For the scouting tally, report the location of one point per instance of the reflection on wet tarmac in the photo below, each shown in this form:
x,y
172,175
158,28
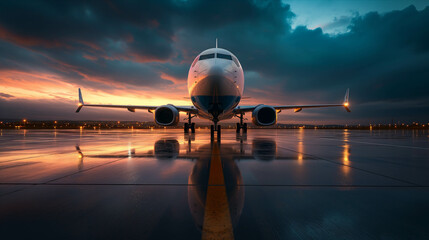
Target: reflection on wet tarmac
x,y
290,184
166,149
214,213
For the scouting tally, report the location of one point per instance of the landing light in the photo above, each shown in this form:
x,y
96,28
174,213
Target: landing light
x,y
346,104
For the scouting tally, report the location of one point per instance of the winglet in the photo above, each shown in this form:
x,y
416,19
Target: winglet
x,y
346,100
80,105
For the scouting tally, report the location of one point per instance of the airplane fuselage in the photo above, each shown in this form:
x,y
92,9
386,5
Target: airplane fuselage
x,y
216,84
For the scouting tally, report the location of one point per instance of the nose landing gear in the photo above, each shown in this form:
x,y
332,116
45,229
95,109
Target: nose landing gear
x,y
216,128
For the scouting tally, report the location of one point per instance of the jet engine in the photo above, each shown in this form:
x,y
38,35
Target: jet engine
x,y
264,115
166,115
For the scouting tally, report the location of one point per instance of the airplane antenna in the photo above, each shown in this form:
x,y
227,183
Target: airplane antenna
x,y
216,42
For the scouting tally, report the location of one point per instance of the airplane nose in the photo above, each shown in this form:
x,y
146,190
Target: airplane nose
x,y
215,92
215,70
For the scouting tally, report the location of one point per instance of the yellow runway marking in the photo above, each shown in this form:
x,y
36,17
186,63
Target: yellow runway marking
x,y
217,218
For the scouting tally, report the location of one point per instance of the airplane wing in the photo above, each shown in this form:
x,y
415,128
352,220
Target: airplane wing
x,y
132,108
298,108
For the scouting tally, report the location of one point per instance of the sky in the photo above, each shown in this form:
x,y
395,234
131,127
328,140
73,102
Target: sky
x,y
292,52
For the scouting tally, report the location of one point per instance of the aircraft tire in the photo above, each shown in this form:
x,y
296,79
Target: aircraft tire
x,y
193,127
218,132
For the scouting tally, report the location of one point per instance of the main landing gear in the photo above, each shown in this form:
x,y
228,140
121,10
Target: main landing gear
x,y
241,125
189,125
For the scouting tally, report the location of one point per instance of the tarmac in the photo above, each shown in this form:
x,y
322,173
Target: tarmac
x,y
164,184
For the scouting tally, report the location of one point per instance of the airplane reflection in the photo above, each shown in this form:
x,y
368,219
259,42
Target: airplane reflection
x,y
264,149
166,149
80,159
216,190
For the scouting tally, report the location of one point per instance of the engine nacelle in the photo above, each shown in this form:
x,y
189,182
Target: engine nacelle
x,y
264,115
166,115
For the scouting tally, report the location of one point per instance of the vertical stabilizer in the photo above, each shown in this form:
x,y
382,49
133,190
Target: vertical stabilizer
x,y
216,42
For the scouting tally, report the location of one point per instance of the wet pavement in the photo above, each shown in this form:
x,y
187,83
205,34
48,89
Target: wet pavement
x,y
163,184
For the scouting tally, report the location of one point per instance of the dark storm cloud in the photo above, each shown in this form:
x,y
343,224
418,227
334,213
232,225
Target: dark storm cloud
x,y
269,16
88,25
340,22
83,41
112,39
14,57
5,95
383,58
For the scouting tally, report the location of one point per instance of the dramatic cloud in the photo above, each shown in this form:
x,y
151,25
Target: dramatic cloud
x,y
339,24
138,49
5,95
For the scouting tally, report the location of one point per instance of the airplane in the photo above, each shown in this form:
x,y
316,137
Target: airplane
x,y
216,85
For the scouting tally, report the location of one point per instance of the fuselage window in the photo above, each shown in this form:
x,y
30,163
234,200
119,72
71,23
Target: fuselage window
x,y
207,56
224,56
236,61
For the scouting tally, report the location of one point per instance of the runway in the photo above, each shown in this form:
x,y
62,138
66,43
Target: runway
x,y
164,184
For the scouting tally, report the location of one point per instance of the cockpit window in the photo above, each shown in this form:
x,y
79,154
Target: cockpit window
x,y
207,56
224,56
219,55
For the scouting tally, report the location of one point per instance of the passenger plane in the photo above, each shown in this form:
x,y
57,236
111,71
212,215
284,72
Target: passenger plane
x,y
215,85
